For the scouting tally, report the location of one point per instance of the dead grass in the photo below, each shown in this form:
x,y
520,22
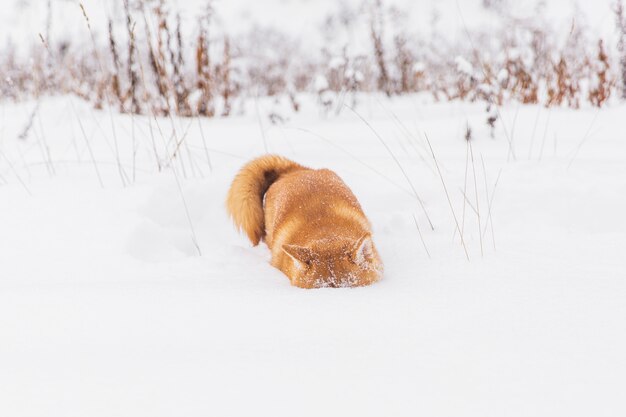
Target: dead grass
x,y
210,74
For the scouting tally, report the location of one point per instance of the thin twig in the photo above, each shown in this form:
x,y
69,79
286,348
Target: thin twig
x,y
421,237
408,135
465,186
106,94
194,239
206,150
406,176
258,116
179,143
45,152
93,159
468,202
513,129
154,147
477,201
493,238
584,139
532,137
493,194
182,197
12,167
350,154
545,133
456,222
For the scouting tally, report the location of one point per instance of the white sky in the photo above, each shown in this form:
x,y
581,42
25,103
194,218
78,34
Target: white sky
x,y
22,20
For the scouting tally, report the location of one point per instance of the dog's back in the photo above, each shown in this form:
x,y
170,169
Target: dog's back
x,y
308,205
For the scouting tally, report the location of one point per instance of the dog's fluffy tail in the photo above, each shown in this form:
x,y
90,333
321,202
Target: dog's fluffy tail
x,y
245,197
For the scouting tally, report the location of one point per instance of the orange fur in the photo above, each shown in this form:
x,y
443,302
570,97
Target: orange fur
x,y
314,226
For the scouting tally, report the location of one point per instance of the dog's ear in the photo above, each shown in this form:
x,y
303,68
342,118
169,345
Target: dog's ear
x,y
363,249
301,254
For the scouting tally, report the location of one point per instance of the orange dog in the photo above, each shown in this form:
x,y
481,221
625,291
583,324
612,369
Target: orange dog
x,y
310,220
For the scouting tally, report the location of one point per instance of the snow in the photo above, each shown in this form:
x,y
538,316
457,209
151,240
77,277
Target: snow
x,y
419,67
336,62
321,83
106,307
463,66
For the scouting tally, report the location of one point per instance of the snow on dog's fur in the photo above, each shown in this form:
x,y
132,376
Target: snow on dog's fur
x,y
310,220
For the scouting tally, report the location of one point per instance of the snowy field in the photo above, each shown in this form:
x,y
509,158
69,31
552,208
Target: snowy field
x,y
108,308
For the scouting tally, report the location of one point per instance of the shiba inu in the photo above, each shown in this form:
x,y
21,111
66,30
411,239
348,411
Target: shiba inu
x,y
310,220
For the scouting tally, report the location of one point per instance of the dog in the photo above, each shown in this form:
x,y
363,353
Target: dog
x,y
312,223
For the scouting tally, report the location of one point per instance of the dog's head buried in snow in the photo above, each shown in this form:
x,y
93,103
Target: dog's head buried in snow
x,y
335,263
310,220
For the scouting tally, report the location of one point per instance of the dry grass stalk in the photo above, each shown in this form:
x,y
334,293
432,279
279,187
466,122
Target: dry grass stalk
x,y
181,93
157,64
104,93
115,77
88,144
476,197
445,189
225,79
405,62
133,77
376,33
421,237
620,20
561,86
205,105
406,176
600,93
526,65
